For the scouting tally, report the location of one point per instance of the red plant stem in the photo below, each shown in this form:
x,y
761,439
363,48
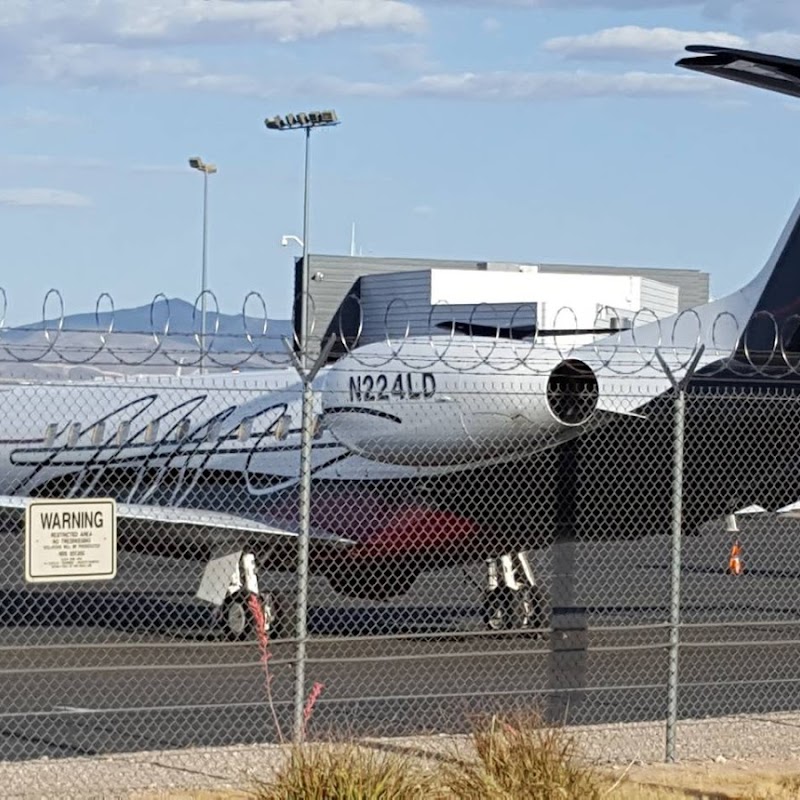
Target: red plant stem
x,y
263,646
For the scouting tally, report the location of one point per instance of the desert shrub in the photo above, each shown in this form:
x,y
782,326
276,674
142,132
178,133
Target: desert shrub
x,y
519,757
346,772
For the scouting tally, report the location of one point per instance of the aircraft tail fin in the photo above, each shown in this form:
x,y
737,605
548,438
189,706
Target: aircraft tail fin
x,y
770,321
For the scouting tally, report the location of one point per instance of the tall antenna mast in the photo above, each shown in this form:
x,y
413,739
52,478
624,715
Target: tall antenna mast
x,y
353,240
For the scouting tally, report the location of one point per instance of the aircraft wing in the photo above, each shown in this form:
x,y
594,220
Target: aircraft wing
x,y
776,73
180,531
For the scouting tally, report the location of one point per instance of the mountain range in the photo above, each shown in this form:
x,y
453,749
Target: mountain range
x,y
158,338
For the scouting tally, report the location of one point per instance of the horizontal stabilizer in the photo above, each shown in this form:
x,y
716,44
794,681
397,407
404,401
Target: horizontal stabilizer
x,y
792,510
754,509
775,73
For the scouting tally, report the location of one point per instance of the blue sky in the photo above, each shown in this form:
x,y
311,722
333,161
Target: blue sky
x,y
530,130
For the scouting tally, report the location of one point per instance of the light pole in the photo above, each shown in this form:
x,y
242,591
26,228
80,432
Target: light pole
x,y
314,119
304,121
207,169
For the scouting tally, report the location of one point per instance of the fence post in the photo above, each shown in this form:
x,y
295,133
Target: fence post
x,y
306,444
679,413
569,635
676,498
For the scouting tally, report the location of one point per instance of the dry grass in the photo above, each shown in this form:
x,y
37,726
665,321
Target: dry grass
x,y
505,758
346,772
519,757
511,758
712,782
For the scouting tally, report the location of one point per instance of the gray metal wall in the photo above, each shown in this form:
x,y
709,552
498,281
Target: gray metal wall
x,y
334,285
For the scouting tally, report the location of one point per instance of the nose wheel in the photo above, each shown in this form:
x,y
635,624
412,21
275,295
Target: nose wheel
x,y
237,620
515,609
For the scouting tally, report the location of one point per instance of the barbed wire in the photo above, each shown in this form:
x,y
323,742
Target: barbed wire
x,y
55,342
500,337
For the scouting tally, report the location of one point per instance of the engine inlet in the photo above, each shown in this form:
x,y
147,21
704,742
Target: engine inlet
x,y
572,392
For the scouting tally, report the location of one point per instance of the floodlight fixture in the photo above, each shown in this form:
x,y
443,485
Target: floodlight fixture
x,y
197,163
311,119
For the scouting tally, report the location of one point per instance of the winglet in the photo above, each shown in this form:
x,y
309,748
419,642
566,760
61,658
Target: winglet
x,y
763,70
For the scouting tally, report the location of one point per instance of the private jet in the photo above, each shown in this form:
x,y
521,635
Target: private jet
x,y
469,445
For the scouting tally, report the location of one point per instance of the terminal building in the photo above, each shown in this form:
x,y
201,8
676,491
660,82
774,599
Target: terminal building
x,y
364,299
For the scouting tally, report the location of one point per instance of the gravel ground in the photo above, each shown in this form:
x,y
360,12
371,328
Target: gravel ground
x,y
172,774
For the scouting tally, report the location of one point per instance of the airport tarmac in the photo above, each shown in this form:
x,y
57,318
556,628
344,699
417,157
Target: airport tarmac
x,y
91,670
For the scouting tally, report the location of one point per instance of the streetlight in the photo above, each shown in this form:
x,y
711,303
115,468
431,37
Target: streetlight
x,y
291,238
315,119
304,121
207,169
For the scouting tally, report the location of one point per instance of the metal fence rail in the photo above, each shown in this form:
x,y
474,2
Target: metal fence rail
x,y
472,536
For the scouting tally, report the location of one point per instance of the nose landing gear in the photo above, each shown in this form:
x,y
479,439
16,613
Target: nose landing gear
x,y
512,599
229,582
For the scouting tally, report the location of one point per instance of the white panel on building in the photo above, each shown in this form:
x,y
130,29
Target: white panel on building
x,y
412,303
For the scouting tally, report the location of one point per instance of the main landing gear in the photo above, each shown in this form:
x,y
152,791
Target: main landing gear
x,y
512,600
229,582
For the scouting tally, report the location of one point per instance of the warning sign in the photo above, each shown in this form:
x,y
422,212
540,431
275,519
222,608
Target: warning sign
x,y
70,540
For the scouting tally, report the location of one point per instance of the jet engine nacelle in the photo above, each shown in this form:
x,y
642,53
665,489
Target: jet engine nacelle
x,y
417,409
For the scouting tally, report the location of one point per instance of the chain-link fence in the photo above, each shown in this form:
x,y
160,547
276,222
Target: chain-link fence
x,y
488,525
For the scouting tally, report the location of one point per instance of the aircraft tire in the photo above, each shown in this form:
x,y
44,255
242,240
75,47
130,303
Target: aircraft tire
x,y
235,620
523,609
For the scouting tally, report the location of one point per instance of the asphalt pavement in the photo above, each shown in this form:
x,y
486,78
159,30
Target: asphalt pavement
x,y
92,669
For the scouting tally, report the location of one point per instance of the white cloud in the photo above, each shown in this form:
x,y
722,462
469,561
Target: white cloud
x,y
760,15
536,85
159,169
103,65
35,117
121,42
406,56
780,42
51,163
43,198
138,22
331,85
423,210
647,5
633,41
116,43
653,4
99,65
491,25
520,86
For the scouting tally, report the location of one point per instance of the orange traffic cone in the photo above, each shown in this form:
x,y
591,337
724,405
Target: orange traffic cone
x,y
735,565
